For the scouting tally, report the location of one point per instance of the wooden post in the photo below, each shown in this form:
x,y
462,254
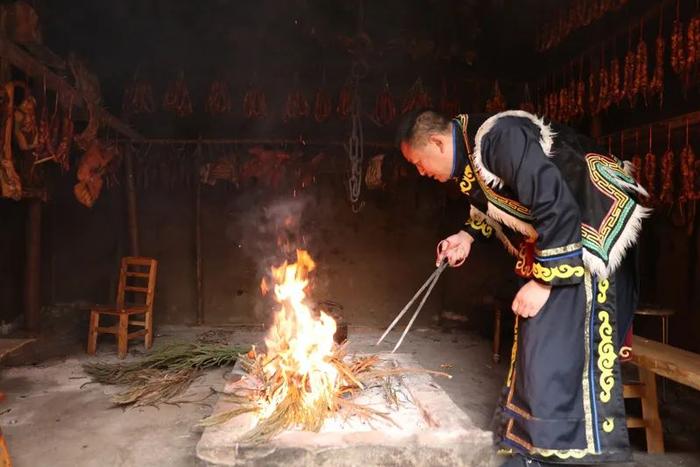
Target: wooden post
x,y
32,270
132,217
198,232
650,412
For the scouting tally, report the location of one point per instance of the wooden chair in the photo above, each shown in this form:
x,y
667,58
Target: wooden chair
x,y
137,280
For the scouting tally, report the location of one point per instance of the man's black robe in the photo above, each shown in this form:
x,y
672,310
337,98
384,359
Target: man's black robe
x,y
571,216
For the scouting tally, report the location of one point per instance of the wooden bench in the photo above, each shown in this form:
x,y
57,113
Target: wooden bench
x,y
654,358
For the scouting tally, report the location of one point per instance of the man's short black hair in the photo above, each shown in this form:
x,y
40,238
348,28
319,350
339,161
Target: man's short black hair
x,y
415,126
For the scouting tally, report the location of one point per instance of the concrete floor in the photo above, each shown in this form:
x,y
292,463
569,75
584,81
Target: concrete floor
x,y
51,418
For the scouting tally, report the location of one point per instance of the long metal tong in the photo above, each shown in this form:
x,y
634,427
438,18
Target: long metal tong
x,y
430,283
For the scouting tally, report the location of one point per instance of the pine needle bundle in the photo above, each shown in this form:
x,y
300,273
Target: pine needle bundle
x,y
293,411
162,375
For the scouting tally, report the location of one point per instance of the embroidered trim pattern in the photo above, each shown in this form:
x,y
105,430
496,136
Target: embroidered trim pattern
x,y
603,287
480,226
605,173
468,179
606,355
507,204
563,271
558,251
608,425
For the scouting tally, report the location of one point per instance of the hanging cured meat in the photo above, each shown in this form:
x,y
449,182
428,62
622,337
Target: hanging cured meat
x,y
417,98
297,106
138,98
255,103
345,98
89,87
641,78
630,73
55,136
527,104
678,55
10,184
616,92
219,98
177,98
384,107
666,195
26,129
656,85
449,106
322,105
92,168
649,181
497,103
604,98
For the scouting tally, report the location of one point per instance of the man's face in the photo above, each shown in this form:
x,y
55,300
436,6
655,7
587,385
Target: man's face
x,y
433,158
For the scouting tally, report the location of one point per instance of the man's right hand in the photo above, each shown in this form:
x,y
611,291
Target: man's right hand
x,y
455,249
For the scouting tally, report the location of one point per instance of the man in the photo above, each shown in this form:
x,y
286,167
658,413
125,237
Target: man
x,y
570,214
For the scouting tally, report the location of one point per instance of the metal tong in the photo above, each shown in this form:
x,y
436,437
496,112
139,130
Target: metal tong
x,y
430,283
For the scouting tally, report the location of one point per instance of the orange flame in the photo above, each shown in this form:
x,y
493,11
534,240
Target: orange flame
x,y
299,344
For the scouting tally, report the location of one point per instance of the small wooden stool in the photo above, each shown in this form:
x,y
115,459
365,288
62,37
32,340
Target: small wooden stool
x,y
663,313
132,275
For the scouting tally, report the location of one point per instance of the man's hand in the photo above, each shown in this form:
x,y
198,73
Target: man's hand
x,y
455,249
530,299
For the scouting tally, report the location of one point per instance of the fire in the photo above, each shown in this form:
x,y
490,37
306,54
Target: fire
x,y
300,344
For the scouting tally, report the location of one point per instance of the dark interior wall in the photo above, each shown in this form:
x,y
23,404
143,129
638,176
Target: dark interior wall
x,y
371,262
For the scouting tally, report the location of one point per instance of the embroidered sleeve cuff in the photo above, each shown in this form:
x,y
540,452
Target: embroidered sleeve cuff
x,y
478,229
559,266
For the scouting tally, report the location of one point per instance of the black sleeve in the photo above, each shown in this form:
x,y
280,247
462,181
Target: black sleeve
x,y
478,229
512,151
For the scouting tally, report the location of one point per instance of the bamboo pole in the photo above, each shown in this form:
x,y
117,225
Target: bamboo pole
x,y
32,271
198,233
132,215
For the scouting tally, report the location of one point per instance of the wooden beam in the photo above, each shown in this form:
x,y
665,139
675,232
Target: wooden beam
x,y
20,58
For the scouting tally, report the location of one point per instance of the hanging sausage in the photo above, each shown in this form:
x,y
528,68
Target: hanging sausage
x,y
629,84
255,103
417,98
656,86
384,107
641,66
449,106
177,97
219,98
688,194
345,100
650,174
637,162
667,160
